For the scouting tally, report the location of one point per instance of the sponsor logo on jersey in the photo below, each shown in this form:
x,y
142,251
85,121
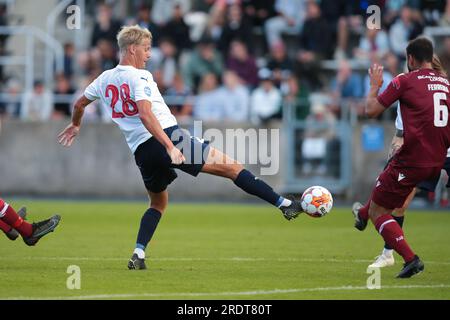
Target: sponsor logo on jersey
x,y
401,176
148,91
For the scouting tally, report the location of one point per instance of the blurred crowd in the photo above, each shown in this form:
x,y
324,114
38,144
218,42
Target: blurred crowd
x,y
242,60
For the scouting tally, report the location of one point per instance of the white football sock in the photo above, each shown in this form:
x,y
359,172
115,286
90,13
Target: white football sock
x,y
285,203
140,253
388,252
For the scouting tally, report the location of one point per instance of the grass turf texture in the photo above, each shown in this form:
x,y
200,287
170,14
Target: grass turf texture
x,y
218,251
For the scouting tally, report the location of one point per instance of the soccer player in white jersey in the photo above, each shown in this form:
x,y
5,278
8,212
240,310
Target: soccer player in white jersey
x,y
131,96
386,258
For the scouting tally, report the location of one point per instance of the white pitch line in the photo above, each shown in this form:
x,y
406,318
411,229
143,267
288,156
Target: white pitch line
x,y
232,259
224,294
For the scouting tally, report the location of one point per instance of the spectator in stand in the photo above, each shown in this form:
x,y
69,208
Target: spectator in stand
x,y
392,64
197,18
38,104
297,97
265,101
258,11
207,106
89,62
69,56
105,28
162,10
319,131
279,63
178,97
63,87
144,20
177,30
431,11
315,45
11,108
235,27
445,18
403,30
242,63
106,55
163,63
347,85
375,42
218,17
205,59
351,22
234,97
392,12
289,18
220,6
333,11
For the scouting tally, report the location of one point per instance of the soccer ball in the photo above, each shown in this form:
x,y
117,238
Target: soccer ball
x,y
317,201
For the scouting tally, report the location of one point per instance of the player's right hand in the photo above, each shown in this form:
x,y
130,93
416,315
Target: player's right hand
x,y
376,75
176,156
67,136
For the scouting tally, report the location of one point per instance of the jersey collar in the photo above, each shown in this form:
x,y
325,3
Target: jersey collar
x,y
123,67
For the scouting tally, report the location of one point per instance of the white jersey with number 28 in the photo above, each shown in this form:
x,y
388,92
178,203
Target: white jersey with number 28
x,y
119,89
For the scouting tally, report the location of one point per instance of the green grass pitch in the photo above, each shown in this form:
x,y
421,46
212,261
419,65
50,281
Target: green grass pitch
x,y
218,251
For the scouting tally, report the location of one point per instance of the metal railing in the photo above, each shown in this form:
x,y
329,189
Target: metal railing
x,y
32,34
51,25
333,166
9,4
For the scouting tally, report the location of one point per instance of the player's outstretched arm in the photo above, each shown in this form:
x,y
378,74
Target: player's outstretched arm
x,y
67,136
154,127
373,107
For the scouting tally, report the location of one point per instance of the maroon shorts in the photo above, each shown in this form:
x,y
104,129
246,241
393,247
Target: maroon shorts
x,y
396,182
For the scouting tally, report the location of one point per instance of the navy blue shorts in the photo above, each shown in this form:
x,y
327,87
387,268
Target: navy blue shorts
x,y
430,185
156,166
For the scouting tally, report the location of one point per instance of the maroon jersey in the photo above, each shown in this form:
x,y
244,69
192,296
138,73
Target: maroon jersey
x,y
424,104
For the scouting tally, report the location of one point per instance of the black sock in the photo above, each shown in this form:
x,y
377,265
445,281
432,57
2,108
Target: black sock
x,y
400,222
250,184
149,222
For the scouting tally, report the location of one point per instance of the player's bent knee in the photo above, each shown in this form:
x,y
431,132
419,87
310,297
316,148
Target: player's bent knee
x,y
159,206
232,171
237,168
159,209
376,211
159,201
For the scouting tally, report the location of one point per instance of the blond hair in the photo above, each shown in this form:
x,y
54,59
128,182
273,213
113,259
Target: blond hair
x,y
130,35
437,65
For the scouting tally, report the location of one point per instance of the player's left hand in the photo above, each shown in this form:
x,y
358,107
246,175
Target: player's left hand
x,y
67,136
176,156
376,75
